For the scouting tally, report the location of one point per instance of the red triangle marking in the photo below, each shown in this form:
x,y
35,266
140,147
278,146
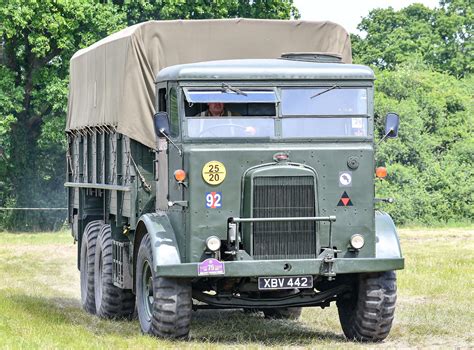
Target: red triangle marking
x,y
345,201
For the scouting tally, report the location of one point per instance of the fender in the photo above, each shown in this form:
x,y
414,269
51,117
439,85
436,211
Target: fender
x,y
162,237
388,244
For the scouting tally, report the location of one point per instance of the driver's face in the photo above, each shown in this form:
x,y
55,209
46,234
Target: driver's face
x,y
216,108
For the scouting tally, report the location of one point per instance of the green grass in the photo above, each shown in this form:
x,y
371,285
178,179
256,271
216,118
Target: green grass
x,y
40,306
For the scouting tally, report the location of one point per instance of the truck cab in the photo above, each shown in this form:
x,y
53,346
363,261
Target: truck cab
x,y
268,183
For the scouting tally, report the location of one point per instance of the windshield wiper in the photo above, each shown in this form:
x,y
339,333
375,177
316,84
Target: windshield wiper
x,y
227,88
324,91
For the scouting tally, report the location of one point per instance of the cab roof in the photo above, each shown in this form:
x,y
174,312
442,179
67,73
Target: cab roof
x,y
264,69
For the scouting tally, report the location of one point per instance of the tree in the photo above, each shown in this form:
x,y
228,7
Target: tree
x,y
39,37
430,165
140,11
413,51
442,37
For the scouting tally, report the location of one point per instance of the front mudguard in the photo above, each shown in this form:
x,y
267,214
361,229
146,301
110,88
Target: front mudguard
x,y
164,245
387,243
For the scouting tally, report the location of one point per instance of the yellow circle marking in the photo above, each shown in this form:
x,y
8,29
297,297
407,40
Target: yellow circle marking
x,y
213,172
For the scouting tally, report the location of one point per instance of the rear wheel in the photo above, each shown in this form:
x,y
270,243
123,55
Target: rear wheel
x,y
86,264
283,313
164,305
367,313
110,300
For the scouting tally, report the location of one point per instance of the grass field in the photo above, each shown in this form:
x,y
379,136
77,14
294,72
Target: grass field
x,y
40,303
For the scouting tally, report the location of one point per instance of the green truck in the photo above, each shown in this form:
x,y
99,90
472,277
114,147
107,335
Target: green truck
x,y
228,164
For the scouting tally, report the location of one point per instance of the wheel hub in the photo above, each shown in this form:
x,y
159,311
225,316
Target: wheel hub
x,y
147,297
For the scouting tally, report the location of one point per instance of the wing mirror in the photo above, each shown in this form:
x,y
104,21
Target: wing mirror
x,y
162,128
392,122
162,124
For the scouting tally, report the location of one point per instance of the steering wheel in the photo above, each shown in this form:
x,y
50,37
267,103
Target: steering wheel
x,y
231,125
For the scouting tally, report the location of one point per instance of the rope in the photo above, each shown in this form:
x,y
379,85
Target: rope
x,y
146,186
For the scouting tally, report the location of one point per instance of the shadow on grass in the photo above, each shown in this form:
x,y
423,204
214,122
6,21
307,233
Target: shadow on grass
x,y
210,326
236,327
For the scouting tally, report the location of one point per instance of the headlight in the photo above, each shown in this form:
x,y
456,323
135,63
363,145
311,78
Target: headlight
x,y
357,241
213,243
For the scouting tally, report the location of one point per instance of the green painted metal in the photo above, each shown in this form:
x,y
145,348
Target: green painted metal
x,y
327,159
261,268
106,180
264,69
388,244
132,187
163,239
97,185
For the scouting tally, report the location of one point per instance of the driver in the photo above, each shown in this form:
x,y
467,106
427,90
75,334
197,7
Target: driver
x,y
216,109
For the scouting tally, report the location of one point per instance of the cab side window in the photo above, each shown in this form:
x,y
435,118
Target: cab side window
x,y
173,113
162,100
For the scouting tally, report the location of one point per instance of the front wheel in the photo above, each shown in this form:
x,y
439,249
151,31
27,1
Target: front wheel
x,y
164,305
367,313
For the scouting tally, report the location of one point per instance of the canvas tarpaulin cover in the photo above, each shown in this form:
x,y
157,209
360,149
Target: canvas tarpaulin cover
x,y
112,82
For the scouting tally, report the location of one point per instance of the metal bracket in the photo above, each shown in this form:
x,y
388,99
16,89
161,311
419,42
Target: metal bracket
x,y
235,220
386,200
327,268
183,204
229,301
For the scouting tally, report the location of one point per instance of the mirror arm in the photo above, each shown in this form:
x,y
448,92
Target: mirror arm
x,y
162,132
384,136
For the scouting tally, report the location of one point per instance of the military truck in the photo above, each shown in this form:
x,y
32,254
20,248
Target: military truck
x,y
228,164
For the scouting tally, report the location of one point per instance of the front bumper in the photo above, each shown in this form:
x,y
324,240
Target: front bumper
x,y
256,268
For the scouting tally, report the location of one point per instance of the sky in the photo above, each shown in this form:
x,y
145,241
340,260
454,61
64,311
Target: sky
x,y
349,13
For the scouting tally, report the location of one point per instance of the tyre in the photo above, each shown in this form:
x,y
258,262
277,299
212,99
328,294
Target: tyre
x,y
86,264
283,313
367,313
110,300
164,305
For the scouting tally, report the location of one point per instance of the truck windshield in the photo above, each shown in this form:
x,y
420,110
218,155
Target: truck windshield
x,y
324,112
230,112
233,112
323,101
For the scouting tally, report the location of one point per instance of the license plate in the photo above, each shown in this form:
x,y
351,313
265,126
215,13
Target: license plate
x,y
269,283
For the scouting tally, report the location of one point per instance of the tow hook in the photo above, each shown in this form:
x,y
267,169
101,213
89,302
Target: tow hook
x,y
328,256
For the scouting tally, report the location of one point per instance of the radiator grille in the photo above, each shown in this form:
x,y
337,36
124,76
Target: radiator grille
x,y
284,196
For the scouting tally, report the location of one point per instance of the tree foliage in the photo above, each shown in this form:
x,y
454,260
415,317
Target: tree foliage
x,y
430,165
140,11
423,60
38,39
442,37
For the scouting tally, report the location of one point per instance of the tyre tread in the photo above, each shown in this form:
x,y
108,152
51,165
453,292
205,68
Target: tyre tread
x,y
172,306
89,241
116,302
369,314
